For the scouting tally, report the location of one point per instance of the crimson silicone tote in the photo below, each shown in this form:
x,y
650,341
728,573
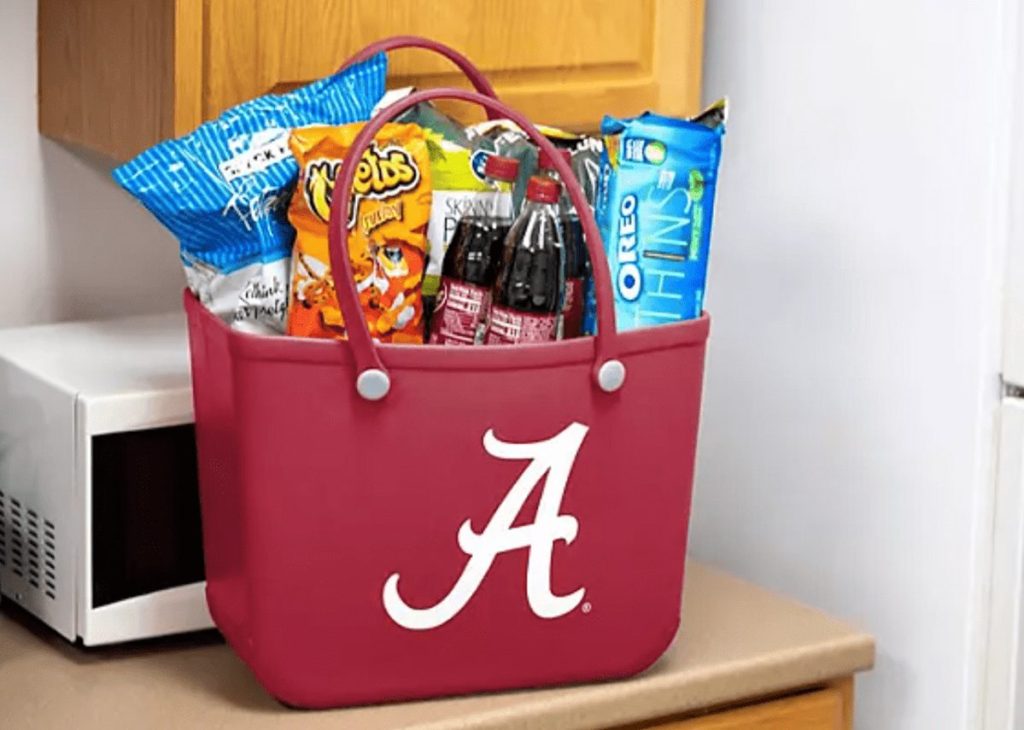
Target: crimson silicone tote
x,y
386,522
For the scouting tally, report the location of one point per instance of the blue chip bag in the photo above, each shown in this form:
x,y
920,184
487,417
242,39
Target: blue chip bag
x,y
654,206
224,189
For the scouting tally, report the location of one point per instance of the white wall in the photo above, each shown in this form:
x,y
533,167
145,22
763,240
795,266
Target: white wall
x,y
845,451
72,244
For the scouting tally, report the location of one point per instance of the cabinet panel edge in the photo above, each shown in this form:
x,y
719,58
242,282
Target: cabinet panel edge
x,y
106,78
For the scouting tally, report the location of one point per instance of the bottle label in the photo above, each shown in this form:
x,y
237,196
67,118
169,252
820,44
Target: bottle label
x,y
458,313
572,309
510,327
447,208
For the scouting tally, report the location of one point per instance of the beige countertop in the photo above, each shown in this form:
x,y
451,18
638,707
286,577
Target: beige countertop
x,y
736,642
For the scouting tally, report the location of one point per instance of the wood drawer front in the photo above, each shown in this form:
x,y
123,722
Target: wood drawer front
x,y
563,63
117,76
821,710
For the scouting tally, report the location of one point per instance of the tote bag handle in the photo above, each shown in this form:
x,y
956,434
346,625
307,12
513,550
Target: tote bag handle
x,y
394,43
373,381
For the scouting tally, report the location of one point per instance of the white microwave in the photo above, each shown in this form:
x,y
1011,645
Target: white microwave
x,y
100,534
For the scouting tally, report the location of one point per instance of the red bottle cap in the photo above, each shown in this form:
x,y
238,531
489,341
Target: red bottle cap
x,y
544,161
501,168
543,190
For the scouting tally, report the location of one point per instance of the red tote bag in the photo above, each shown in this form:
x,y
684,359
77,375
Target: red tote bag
x,y
387,522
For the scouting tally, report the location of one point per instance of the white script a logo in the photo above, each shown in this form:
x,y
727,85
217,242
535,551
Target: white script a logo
x,y
553,457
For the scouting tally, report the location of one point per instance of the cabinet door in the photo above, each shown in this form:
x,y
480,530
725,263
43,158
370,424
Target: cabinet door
x,y
563,63
822,710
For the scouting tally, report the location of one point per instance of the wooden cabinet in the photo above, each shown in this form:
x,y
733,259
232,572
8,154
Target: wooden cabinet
x,y
828,708
116,76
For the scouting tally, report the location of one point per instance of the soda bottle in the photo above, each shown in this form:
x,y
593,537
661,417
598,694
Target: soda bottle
x,y
576,260
470,265
528,293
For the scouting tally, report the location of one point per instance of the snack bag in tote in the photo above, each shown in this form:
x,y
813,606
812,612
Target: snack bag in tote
x,y
388,220
223,190
654,205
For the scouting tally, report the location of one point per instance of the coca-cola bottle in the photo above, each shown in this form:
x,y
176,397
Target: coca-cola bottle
x,y
528,293
470,265
576,260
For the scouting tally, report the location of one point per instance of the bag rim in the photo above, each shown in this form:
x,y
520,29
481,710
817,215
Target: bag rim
x,y
577,351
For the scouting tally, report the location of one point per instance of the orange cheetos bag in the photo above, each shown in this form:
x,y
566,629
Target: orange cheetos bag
x,y
387,231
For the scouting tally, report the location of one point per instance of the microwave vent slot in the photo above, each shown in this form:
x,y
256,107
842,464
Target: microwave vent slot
x,y
50,559
28,545
17,537
3,529
32,557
